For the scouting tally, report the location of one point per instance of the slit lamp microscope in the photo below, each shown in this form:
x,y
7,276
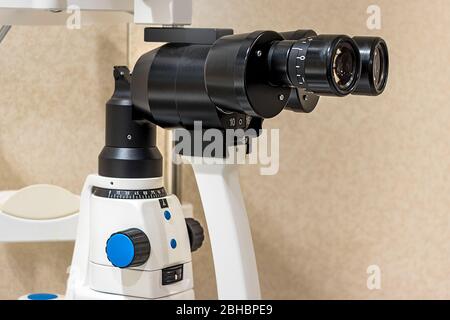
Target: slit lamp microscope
x,y
133,241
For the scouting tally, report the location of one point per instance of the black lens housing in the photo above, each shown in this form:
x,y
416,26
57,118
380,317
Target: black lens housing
x,y
375,65
344,68
229,81
301,100
317,64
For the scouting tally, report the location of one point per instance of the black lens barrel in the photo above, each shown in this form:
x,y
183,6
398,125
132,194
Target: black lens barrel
x,y
375,65
324,64
278,61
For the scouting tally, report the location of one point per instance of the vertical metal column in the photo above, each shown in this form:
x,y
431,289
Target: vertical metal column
x,y
3,32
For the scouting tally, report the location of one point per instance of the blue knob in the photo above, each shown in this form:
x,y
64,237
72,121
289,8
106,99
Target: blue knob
x,y
129,248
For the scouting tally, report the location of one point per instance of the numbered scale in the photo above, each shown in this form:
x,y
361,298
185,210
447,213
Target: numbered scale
x,y
129,194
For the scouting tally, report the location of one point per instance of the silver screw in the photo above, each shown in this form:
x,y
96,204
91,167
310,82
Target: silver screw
x,y
129,137
259,53
281,97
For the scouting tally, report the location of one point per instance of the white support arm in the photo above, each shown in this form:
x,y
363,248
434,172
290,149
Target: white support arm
x,y
57,12
229,230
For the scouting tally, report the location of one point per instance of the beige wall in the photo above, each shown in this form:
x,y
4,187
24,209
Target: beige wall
x,y
362,181
54,84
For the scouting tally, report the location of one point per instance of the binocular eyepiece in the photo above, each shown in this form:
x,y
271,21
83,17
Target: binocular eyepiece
x,y
330,64
235,81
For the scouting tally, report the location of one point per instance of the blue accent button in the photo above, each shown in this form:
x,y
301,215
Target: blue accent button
x,y
167,215
42,296
120,250
173,243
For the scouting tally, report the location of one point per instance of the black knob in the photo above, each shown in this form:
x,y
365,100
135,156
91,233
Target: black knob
x,y
128,248
196,233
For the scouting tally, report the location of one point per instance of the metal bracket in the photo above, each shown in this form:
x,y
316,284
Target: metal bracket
x,y
203,36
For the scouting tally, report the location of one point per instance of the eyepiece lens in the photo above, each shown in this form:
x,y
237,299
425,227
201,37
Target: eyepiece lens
x,y
375,65
378,67
344,66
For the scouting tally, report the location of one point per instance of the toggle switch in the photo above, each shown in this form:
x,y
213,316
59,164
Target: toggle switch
x,y
172,275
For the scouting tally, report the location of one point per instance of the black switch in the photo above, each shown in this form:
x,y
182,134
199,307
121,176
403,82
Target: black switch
x,y
172,275
163,203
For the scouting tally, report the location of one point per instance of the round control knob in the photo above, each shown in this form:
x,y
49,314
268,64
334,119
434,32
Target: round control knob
x,y
129,248
196,234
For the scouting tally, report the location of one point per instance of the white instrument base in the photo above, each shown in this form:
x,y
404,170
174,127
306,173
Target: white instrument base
x,y
91,271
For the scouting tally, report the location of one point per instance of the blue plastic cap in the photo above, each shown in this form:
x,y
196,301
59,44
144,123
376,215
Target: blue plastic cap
x,y
120,250
42,296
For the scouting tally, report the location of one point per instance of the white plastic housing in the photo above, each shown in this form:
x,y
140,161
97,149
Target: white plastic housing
x,y
109,216
91,271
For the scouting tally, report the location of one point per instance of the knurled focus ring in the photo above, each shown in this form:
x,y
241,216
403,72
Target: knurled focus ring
x,y
297,59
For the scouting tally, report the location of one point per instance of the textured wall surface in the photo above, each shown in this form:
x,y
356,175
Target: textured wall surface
x,y
54,84
362,181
